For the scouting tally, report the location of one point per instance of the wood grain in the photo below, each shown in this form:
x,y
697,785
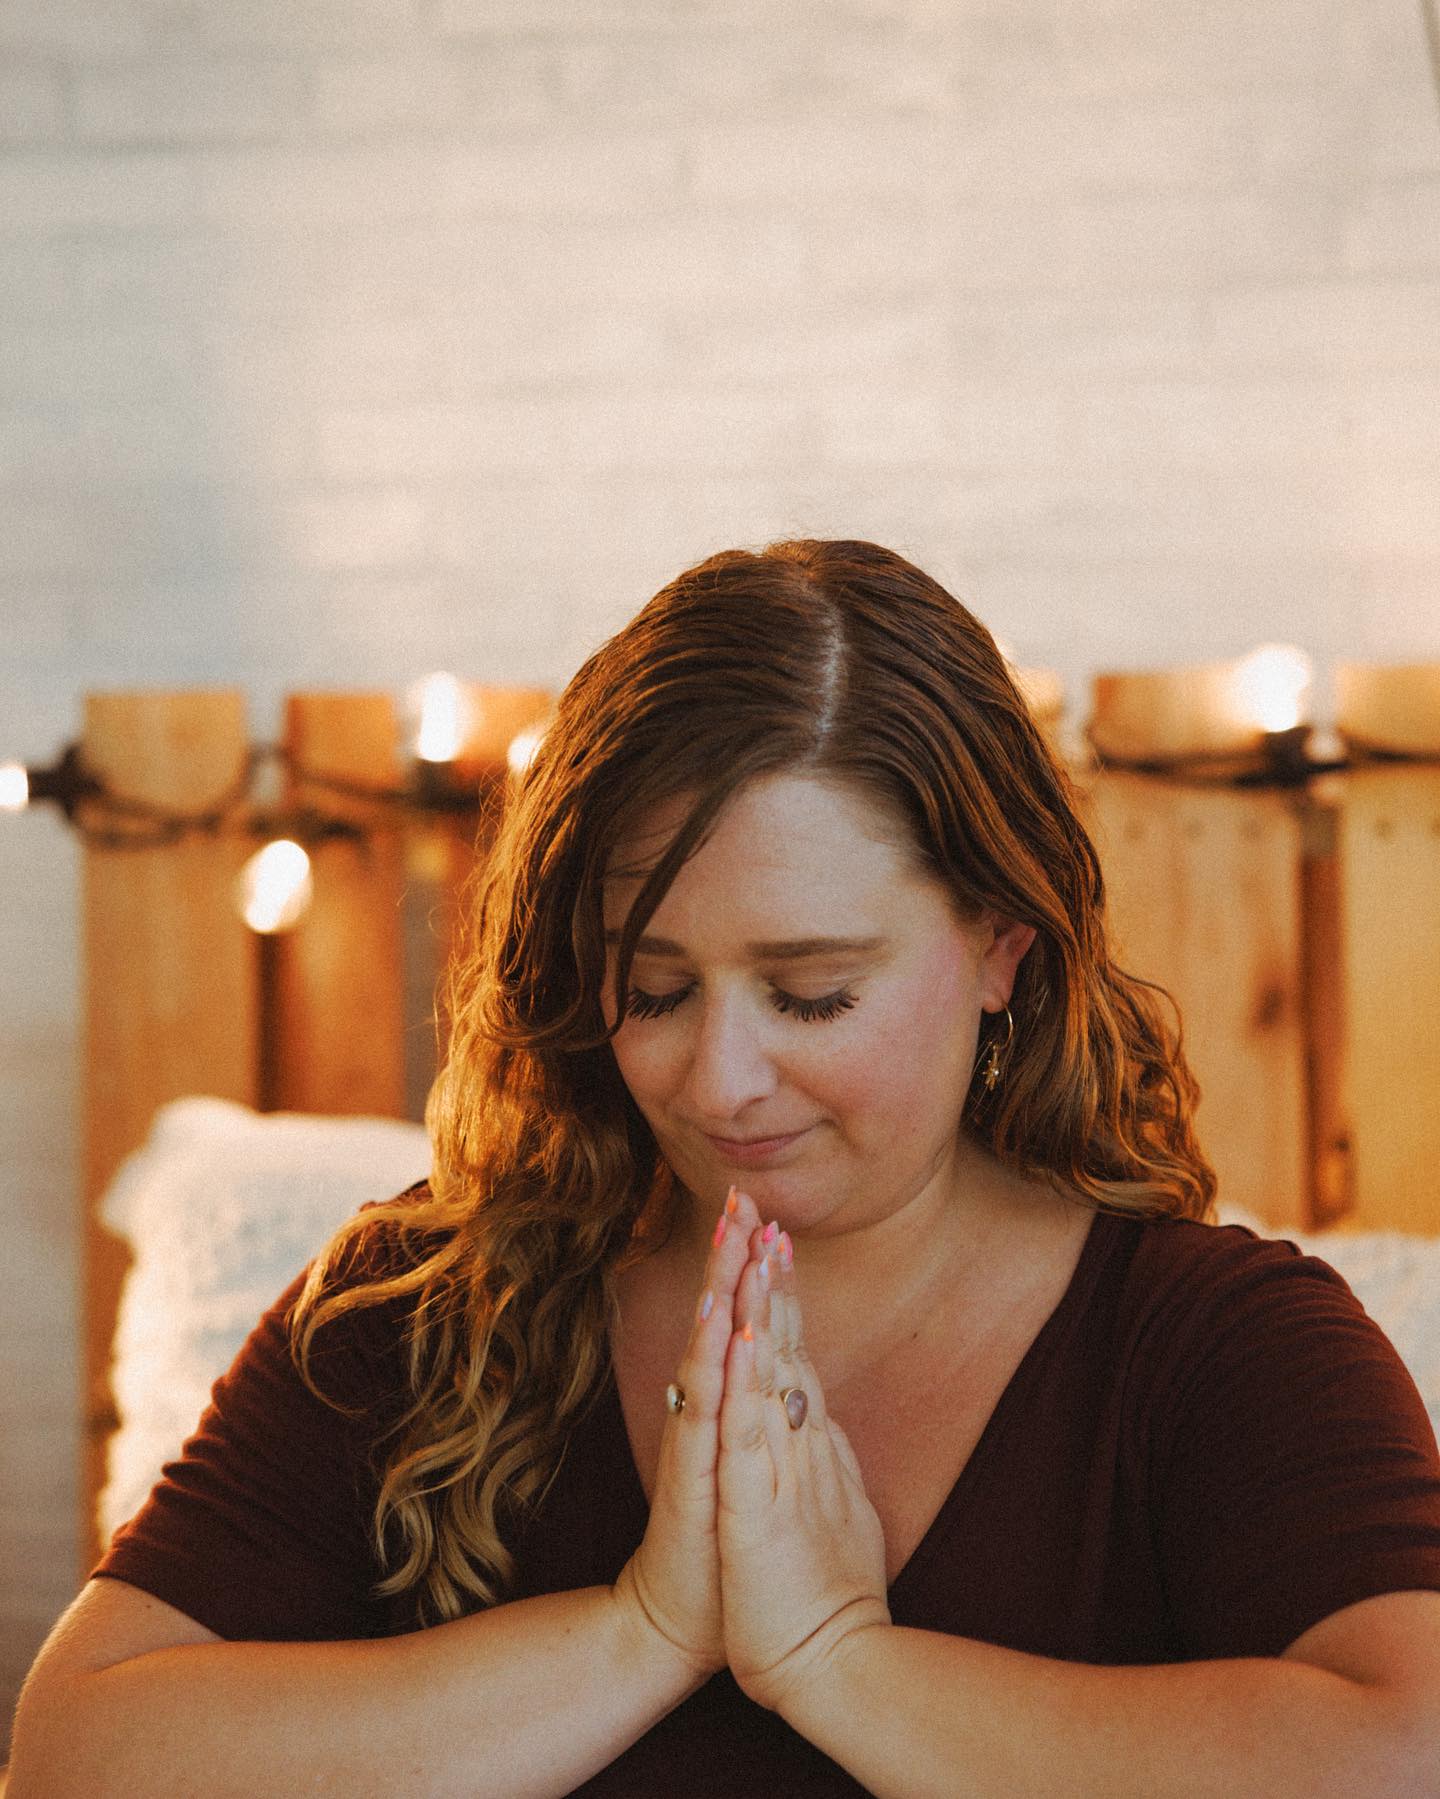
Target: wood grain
x,y
1205,900
1389,872
334,1040
169,992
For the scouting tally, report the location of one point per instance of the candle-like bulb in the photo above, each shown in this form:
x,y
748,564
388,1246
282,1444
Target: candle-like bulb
x,y
447,717
1271,686
275,887
14,787
521,752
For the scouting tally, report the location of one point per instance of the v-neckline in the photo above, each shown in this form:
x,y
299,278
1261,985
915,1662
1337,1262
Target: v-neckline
x,y
1097,1239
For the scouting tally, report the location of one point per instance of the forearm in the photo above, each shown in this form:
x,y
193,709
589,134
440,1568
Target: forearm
x,y
912,1713
527,1699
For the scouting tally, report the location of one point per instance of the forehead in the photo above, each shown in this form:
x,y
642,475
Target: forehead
x,y
787,835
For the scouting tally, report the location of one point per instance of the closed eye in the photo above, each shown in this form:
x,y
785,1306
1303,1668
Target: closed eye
x,y
640,1004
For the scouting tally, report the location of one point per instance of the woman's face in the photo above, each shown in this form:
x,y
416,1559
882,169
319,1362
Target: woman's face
x,y
805,1006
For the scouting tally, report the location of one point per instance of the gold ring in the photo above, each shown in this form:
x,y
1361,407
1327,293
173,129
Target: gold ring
x,y
674,1399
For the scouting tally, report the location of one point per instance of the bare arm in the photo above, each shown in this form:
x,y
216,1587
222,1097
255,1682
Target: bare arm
x,y
1354,1707
526,1699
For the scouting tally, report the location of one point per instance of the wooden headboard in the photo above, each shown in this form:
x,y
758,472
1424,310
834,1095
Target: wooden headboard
x,y
1299,930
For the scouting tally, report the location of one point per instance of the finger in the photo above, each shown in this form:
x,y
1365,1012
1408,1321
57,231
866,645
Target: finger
x,y
746,1471
752,1310
793,1365
700,1375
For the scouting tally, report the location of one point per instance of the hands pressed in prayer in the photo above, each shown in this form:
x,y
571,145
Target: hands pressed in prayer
x,y
763,1551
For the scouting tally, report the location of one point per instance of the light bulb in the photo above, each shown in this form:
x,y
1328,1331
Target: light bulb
x,y
275,887
447,717
14,787
521,752
1271,686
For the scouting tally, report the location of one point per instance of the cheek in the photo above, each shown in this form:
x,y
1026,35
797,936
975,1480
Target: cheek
x,y
919,1048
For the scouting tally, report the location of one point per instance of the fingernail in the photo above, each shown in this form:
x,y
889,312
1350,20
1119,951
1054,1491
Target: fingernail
x,y
770,1232
707,1303
787,1251
719,1236
748,1333
764,1271
732,1202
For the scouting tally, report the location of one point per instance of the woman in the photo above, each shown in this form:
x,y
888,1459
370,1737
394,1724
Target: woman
x,y
790,977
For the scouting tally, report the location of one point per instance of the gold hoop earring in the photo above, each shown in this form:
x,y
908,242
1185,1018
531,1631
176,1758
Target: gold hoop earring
x,y
990,1072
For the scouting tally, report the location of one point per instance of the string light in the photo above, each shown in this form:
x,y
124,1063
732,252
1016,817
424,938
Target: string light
x,y
1271,686
14,787
275,887
447,717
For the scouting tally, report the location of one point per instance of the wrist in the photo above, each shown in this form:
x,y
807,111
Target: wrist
x,y
647,1642
834,1663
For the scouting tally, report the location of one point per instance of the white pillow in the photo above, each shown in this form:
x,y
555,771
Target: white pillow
x,y
222,1207
1396,1277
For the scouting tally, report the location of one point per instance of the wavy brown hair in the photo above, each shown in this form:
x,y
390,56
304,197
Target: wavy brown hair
x,y
834,659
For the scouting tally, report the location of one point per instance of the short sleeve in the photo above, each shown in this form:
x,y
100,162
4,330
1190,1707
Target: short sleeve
x,y
1295,1469
260,1530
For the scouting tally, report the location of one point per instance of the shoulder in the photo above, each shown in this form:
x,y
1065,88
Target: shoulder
x,y
1188,1294
1181,1262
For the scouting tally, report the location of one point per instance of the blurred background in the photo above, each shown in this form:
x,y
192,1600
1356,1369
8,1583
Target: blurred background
x,y
350,339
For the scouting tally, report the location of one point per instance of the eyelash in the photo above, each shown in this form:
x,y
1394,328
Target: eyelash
x,y
809,1011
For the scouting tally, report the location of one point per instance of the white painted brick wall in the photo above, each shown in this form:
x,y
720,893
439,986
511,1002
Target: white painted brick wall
x,y
352,338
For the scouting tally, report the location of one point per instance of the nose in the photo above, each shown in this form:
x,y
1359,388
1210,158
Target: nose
x,y
730,1063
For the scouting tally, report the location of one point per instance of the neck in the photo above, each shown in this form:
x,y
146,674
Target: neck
x,y
866,1285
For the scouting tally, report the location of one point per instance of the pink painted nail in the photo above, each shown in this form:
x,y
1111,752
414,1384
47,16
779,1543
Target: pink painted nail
x,y
707,1303
719,1236
787,1251
732,1202
770,1232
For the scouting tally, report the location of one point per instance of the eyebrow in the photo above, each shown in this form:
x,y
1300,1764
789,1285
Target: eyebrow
x,y
775,949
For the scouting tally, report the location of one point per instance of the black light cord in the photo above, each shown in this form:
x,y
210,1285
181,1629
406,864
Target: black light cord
x,y
109,820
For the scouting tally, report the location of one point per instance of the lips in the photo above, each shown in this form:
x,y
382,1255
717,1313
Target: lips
x,y
750,1150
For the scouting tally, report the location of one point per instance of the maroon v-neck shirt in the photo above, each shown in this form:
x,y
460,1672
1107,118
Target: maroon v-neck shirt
x,y
1207,1448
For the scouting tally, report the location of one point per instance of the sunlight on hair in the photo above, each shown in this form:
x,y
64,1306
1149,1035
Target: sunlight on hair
x,y
275,887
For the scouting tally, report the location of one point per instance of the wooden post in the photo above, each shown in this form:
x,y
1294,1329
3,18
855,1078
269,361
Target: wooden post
x,y
1205,899
169,995
335,1042
1389,862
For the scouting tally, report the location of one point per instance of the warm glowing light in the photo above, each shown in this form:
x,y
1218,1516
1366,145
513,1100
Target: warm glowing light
x,y
447,717
14,787
1271,686
275,887
523,746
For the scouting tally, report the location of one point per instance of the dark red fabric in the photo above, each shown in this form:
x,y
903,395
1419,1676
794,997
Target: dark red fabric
x,y
1208,1448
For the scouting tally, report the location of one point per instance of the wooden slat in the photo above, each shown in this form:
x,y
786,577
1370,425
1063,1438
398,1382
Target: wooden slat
x,y
169,992
1390,881
1205,898
335,1042
1391,709
1154,715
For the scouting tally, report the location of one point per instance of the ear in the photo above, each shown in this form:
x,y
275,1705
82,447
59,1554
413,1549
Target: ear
x,y
1004,945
